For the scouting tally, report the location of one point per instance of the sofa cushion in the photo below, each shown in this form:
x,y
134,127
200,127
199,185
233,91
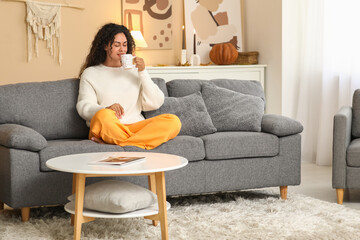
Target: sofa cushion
x,y
58,148
46,107
228,145
353,153
233,111
191,110
114,196
191,148
20,137
162,85
280,125
356,114
184,87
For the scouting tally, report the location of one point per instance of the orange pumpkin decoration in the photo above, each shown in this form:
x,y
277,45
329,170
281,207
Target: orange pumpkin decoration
x,y
223,53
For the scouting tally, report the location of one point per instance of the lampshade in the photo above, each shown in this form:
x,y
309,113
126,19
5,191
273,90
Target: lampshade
x,y
139,39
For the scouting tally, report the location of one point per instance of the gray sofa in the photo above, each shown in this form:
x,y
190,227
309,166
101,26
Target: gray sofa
x,y
38,121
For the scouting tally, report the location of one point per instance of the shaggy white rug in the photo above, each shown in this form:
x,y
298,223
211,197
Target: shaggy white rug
x,y
241,215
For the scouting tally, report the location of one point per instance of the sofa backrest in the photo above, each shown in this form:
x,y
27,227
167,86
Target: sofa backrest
x,y
355,127
161,84
184,87
50,107
46,107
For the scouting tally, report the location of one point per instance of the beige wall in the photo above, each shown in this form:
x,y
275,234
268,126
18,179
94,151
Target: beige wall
x,y
78,29
291,50
262,33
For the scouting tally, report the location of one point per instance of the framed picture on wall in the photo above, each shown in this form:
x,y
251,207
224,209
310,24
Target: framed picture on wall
x,y
152,18
212,22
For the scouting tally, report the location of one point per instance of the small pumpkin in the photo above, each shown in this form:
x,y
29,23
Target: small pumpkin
x,y
223,53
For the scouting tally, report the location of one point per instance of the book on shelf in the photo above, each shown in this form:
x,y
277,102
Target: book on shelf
x,y
122,161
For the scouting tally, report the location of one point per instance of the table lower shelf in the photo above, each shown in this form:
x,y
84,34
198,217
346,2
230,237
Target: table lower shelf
x,y
70,208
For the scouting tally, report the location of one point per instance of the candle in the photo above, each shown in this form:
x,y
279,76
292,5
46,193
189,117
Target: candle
x,y
194,42
183,37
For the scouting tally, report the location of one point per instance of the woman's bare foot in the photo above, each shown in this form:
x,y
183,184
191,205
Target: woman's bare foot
x,y
97,140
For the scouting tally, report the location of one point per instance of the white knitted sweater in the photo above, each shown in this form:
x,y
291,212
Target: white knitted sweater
x,y
102,86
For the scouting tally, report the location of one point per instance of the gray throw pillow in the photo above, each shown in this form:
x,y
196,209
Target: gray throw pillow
x,y
114,196
191,110
233,111
184,87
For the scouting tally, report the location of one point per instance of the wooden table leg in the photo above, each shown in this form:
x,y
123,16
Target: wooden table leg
x,y
73,191
152,187
79,204
161,195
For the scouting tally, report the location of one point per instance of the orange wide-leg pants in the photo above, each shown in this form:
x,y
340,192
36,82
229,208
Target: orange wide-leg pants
x,y
146,134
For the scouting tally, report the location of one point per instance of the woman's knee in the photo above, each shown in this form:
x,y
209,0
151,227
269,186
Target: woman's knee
x,y
102,115
174,121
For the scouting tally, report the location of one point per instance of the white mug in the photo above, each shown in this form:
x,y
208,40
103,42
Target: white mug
x,y
127,61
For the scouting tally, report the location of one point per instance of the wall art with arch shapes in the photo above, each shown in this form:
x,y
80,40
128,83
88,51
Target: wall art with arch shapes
x,y
153,18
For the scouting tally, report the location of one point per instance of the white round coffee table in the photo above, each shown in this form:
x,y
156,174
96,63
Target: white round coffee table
x,y
154,167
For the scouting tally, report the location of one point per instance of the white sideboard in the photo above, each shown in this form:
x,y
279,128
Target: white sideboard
x,y
239,72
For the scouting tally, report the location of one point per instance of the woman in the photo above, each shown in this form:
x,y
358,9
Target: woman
x,y
111,98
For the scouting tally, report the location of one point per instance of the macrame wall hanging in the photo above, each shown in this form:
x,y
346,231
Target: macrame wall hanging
x,y
43,23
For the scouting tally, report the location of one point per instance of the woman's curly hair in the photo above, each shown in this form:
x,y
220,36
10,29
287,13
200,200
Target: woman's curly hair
x,y
104,36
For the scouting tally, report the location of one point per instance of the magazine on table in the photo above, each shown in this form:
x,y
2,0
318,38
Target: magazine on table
x,y
118,161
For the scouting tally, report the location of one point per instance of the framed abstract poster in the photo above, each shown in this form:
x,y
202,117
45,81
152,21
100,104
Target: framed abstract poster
x,y
211,22
153,18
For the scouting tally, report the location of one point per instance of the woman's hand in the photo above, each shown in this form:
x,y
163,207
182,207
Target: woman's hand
x,y
118,109
140,64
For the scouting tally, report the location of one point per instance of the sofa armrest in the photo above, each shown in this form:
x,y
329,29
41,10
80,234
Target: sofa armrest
x,y
341,141
280,126
21,137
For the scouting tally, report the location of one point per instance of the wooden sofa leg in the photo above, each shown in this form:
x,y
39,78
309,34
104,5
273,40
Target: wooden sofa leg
x,y
340,195
283,192
1,205
25,214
